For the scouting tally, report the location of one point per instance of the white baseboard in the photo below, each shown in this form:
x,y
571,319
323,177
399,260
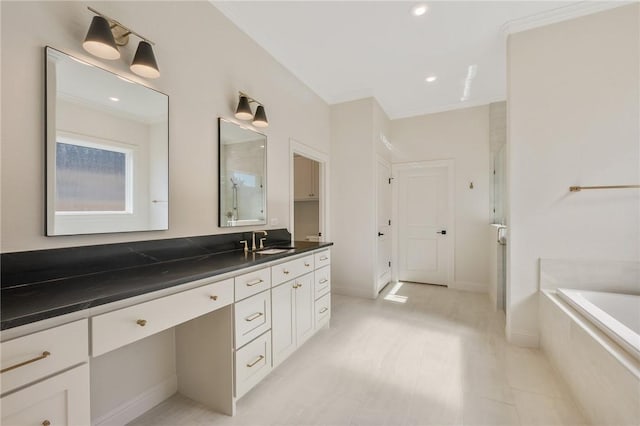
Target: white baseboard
x,y
139,405
469,286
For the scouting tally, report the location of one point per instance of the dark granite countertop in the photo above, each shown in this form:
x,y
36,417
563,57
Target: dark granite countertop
x,y
30,302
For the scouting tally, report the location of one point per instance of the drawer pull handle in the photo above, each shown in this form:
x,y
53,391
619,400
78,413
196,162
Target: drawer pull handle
x,y
323,310
252,283
284,271
251,364
253,316
213,297
46,423
322,281
38,358
306,264
324,258
296,285
141,322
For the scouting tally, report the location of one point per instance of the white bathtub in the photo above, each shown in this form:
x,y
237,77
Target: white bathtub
x,y
617,315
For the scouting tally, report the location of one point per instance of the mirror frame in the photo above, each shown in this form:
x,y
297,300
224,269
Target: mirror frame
x,y
264,178
50,154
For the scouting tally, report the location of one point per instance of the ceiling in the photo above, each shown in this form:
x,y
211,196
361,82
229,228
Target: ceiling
x,y
90,86
346,50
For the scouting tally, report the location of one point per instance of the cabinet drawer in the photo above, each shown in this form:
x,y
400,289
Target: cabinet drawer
x,y
59,400
118,328
252,317
322,281
252,283
322,258
252,364
323,310
50,350
291,269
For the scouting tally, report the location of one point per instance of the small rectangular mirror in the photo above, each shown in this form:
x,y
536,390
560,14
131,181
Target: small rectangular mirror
x,y
242,164
107,151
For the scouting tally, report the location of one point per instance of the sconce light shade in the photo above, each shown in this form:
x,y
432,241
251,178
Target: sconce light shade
x,y
99,40
243,112
260,119
144,62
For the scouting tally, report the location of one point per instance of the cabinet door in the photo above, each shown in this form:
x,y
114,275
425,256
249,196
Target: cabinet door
x,y
302,188
304,312
282,321
60,400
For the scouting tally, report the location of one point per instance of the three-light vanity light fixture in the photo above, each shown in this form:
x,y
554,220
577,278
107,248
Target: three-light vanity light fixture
x,y
106,34
243,111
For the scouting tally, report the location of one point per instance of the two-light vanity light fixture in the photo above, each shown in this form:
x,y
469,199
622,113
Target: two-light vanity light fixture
x,y
243,111
106,34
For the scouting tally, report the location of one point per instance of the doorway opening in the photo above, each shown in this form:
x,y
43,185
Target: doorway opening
x,y
309,193
306,199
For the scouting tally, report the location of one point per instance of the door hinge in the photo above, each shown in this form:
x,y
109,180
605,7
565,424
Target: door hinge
x,y
389,264
390,181
319,234
389,222
494,172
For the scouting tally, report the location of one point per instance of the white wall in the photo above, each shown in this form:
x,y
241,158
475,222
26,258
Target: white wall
x,y
573,120
353,198
204,60
461,135
381,128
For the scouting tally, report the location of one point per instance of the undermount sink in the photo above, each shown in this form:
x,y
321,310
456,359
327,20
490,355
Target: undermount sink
x,y
273,250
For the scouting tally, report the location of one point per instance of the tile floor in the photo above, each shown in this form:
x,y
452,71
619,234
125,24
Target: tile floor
x,y
418,355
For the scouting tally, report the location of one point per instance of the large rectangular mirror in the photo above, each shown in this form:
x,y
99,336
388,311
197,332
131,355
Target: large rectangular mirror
x,y
107,150
242,162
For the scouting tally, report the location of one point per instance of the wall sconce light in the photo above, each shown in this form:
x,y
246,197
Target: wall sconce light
x,y
106,34
243,111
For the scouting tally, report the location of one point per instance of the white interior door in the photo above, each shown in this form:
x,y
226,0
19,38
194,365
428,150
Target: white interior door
x,y
424,224
383,275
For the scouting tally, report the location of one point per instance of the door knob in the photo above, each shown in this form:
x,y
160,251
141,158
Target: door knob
x,y
443,232
380,234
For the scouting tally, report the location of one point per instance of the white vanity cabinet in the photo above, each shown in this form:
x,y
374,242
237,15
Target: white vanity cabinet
x,y
230,332
292,323
322,288
60,400
252,364
252,318
45,377
252,325
296,304
118,328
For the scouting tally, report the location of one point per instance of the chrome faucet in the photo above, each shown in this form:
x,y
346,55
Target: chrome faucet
x,y
253,239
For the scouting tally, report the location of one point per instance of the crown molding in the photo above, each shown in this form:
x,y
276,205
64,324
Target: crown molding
x,y
564,13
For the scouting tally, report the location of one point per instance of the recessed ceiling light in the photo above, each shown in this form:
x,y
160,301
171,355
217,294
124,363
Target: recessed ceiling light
x,y
431,79
114,99
419,9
